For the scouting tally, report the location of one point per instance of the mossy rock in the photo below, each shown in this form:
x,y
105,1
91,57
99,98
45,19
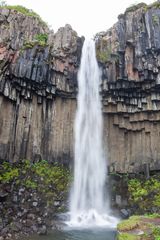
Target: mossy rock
x,y
25,11
135,7
129,224
127,236
140,228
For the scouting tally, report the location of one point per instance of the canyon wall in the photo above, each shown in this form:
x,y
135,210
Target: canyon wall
x,y
129,54
38,87
38,84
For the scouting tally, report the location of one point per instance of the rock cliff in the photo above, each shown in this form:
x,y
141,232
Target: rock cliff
x,y
129,54
38,86
38,81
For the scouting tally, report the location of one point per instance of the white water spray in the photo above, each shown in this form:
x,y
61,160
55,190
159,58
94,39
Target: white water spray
x,y
88,203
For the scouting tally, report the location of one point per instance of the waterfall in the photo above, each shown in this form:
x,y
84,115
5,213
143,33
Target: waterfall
x,y
88,199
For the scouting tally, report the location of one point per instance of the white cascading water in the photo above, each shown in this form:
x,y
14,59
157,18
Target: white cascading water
x,y
88,203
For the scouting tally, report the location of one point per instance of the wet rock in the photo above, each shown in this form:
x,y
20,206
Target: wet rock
x,y
125,213
118,200
35,204
15,226
39,220
21,191
31,216
57,203
3,196
42,230
15,198
34,228
4,231
29,223
9,235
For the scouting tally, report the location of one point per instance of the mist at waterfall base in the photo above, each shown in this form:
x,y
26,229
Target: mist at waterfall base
x,y
89,202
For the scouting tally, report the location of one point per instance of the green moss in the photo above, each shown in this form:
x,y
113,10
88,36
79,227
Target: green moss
x,y
48,179
30,184
42,37
156,232
31,44
103,56
8,173
155,20
155,5
152,216
39,39
25,11
129,224
145,194
128,228
127,236
28,45
135,7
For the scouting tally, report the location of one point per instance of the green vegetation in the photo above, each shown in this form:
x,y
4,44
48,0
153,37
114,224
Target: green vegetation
x,y
144,197
147,225
156,232
39,39
23,10
154,5
51,180
155,20
103,56
28,45
8,174
153,215
104,51
145,194
129,224
127,236
135,7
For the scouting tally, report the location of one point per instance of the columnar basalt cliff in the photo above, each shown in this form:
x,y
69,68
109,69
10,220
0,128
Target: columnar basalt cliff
x,y
38,81
129,53
38,86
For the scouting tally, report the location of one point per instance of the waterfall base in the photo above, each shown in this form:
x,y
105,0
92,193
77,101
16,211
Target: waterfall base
x,y
91,218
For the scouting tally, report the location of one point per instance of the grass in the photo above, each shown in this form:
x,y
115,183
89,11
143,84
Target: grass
x,y
150,230
127,236
129,224
135,7
25,11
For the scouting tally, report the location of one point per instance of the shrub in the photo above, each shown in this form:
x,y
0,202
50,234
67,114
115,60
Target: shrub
x,y
42,37
145,194
42,176
155,20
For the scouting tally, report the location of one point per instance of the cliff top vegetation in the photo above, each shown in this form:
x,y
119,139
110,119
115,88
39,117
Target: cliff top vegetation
x,y
23,10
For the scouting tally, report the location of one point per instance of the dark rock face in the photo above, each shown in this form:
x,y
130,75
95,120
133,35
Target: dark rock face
x,y
129,54
37,89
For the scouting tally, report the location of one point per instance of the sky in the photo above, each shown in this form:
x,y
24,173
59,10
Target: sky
x,y
87,17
